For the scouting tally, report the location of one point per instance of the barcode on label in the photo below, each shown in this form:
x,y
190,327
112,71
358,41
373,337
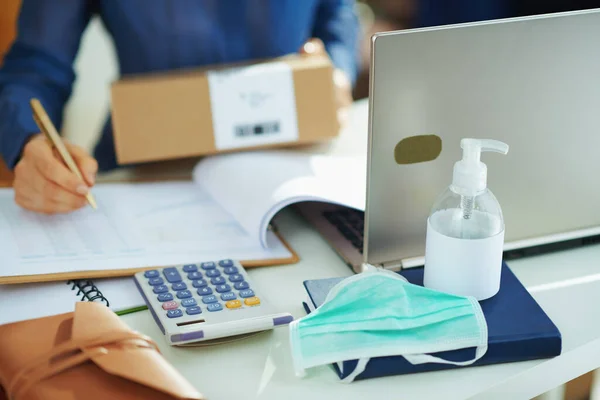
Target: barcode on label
x,y
265,128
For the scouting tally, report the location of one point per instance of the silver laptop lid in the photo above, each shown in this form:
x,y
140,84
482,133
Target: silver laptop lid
x,y
532,82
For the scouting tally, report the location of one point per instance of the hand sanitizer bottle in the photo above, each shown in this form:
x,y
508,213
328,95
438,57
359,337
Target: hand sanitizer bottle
x,y
465,230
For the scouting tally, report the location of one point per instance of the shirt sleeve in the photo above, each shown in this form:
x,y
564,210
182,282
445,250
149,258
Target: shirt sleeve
x,y
337,25
39,64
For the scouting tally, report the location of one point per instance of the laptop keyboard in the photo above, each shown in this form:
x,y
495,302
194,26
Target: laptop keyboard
x,y
350,223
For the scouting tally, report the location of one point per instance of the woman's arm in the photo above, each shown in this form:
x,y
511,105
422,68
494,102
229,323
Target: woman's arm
x,y
337,25
39,64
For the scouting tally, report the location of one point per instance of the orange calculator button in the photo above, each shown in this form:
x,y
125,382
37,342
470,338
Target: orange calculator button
x,y
252,301
233,304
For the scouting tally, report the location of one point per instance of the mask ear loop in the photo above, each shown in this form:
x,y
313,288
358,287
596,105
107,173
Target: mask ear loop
x,y
426,358
361,365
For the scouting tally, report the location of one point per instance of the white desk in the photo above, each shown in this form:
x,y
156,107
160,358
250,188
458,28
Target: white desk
x,y
567,286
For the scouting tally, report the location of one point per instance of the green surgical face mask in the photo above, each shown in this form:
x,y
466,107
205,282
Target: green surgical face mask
x,y
378,313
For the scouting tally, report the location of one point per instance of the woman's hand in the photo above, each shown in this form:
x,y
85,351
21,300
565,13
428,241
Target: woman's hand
x,y
44,184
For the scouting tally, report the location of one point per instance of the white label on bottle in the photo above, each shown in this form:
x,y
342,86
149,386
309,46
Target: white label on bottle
x,y
461,266
253,106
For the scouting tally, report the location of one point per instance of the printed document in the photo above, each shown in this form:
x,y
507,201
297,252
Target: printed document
x,y
135,225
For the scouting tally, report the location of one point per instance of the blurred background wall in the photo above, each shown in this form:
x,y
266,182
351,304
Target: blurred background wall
x,y
388,15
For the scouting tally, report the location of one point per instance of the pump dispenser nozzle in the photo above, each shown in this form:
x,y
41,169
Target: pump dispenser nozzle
x,y
470,174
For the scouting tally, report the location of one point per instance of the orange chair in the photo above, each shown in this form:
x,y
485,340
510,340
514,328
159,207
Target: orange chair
x,y
8,28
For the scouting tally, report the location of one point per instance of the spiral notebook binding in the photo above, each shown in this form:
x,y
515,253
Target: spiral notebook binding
x,y
88,291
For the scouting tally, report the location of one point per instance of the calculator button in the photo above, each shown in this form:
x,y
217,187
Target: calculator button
x,y
184,294
241,285
233,304
214,307
236,278
160,289
175,313
194,275
199,283
246,293
179,286
226,263
170,305
172,275
190,268
230,270
208,265
165,297
188,303
219,280
204,291
252,301
228,296
155,281
151,274
209,299
193,310
223,288
211,273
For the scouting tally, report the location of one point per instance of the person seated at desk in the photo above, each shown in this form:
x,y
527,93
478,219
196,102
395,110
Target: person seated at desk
x,y
149,36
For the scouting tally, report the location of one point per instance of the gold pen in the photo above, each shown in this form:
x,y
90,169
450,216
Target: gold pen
x,y
47,127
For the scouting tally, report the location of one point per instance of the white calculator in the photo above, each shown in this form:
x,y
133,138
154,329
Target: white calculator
x,y
206,301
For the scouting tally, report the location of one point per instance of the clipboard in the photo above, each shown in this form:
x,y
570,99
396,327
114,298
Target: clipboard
x,y
6,182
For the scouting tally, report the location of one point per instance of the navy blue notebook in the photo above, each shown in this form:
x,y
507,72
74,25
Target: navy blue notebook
x,y
518,329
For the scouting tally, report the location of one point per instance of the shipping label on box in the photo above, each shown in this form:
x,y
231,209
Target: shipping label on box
x,y
253,106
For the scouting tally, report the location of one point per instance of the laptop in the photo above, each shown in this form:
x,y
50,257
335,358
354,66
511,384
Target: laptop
x,y
532,82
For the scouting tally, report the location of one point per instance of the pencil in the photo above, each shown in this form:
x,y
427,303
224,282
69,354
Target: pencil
x,y
47,127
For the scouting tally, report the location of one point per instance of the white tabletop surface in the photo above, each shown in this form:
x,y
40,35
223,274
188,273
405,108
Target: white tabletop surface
x,y
566,285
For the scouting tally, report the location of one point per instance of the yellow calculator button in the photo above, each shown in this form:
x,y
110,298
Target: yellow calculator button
x,y
233,304
252,301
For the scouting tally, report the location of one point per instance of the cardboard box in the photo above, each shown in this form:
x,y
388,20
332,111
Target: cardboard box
x,y
281,102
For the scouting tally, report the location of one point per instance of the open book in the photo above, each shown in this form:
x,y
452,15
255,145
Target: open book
x,y
254,186
225,212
